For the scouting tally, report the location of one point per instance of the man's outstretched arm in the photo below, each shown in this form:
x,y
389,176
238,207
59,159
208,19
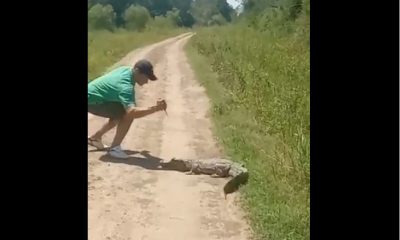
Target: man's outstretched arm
x,y
137,112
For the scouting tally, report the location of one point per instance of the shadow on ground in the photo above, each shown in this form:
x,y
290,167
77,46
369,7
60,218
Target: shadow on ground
x,y
144,160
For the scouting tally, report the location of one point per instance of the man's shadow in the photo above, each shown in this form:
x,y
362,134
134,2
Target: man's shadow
x,y
147,161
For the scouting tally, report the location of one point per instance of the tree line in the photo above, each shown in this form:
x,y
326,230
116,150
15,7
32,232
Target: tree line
x,y
137,14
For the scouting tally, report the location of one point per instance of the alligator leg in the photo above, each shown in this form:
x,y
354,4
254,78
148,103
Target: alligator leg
x,y
215,175
194,170
221,171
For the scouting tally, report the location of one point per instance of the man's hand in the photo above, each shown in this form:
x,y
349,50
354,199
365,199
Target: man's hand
x,y
161,104
136,112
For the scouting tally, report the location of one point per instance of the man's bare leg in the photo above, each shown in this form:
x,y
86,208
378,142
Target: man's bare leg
x,y
106,127
122,130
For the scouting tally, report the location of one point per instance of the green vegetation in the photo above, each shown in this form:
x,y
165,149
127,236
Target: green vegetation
x,y
134,14
136,18
257,72
101,17
106,48
117,27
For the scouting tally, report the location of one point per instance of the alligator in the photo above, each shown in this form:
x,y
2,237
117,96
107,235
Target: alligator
x,y
215,167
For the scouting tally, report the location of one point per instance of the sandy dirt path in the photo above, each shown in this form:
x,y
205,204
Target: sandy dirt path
x,y
132,199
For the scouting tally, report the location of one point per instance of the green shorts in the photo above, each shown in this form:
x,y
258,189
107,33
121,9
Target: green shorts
x,y
111,110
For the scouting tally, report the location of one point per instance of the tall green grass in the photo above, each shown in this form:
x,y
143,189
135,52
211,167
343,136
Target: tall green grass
x,y
106,48
259,86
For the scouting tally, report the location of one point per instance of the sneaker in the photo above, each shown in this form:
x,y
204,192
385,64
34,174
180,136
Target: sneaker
x,y
118,153
96,143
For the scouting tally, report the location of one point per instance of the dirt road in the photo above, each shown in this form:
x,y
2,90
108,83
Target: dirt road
x,y
132,199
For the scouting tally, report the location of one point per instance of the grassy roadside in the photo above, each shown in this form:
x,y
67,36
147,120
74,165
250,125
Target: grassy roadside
x,y
260,110
106,48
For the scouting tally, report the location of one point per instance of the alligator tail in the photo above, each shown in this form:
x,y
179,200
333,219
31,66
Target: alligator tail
x,y
239,176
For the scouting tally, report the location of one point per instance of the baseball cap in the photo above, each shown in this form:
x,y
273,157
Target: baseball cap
x,y
146,68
